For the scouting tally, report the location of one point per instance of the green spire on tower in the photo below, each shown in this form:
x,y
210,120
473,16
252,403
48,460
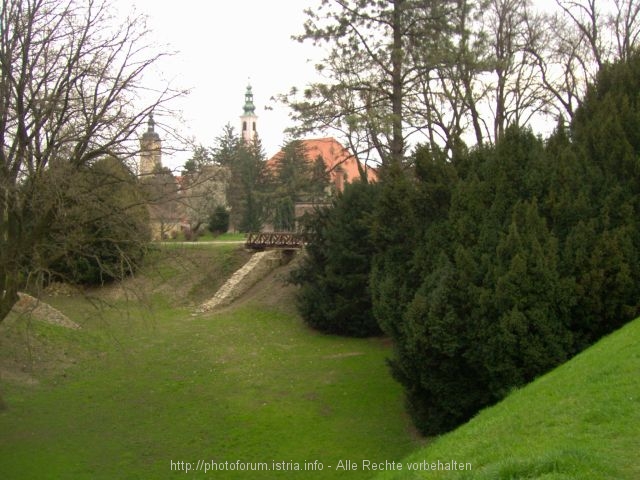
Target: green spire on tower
x,y
249,107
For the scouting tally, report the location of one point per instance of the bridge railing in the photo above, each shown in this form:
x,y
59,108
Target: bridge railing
x,y
284,240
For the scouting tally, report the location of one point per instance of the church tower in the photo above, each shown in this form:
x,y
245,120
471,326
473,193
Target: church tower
x,y
249,119
150,150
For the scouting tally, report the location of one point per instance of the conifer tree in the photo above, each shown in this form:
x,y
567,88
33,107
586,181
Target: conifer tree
x,y
606,133
334,276
290,181
246,193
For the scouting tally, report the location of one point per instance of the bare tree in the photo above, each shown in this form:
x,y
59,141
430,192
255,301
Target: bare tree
x,y
449,87
70,92
578,40
373,71
572,52
560,57
624,21
515,94
401,71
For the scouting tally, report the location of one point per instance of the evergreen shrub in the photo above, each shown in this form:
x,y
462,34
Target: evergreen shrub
x,y
334,295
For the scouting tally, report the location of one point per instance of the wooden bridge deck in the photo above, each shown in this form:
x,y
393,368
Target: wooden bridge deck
x,y
283,240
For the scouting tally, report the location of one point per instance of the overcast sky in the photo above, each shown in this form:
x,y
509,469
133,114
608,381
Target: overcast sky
x,y
221,44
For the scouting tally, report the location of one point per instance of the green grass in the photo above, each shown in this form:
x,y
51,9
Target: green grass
x,y
146,383
226,237
580,421
189,273
208,237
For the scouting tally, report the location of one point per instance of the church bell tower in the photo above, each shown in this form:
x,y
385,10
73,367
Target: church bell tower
x,y
150,150
249,118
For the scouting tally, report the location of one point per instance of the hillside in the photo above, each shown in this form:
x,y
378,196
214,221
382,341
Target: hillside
x,y
145,386
144,382
580,421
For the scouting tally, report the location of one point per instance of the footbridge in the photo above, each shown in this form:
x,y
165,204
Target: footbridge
x,y
273,240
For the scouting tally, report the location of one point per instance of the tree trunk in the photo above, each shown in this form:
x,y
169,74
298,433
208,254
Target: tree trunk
x,y
397,139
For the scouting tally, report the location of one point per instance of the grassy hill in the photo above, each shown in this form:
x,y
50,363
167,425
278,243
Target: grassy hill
x,y
580,421
145,383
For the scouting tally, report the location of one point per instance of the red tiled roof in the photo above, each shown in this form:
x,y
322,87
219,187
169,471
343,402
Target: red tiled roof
x,y
338,161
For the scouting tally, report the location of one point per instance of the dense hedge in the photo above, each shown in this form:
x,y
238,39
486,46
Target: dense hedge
x,y
520,255
493,267
334,273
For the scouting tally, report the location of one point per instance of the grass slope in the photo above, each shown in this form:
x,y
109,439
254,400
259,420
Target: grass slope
x,y
145,383
580,421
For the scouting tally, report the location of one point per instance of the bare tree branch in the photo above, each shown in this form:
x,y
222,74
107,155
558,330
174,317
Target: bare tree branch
x,y
70,87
